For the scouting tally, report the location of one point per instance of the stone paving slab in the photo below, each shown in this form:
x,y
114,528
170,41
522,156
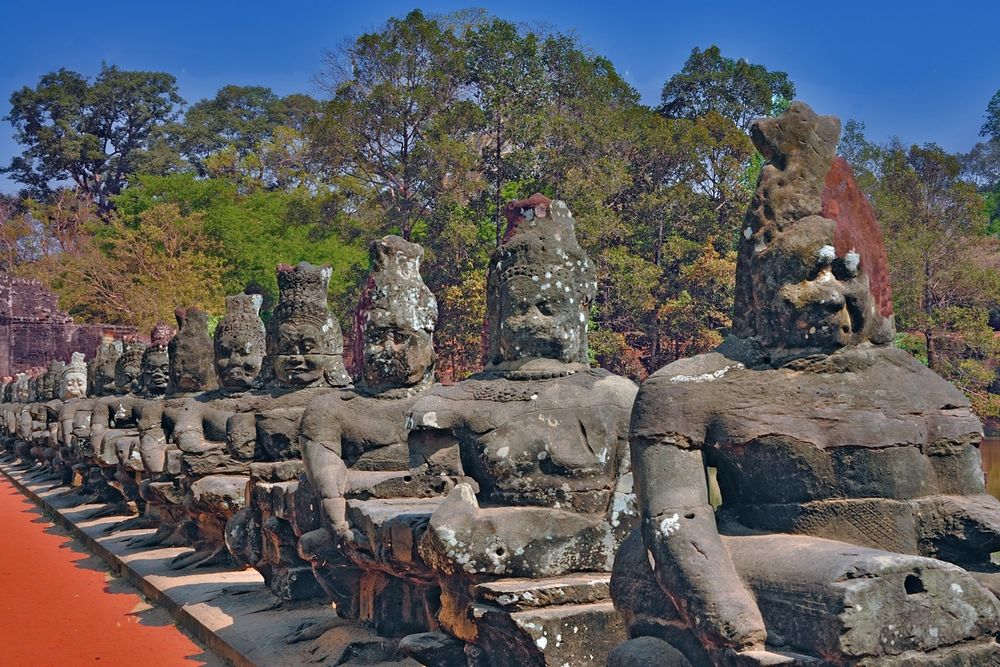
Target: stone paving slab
x,y
230,611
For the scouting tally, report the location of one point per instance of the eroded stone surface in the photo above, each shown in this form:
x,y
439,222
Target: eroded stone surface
x,y
815,427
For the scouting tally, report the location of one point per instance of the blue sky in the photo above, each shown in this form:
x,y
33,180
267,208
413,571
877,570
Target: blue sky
x,y
922,71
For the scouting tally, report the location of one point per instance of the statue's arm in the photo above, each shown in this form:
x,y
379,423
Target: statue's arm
x,y
320,437
687,554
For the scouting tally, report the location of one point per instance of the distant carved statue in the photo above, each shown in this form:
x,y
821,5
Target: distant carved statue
x,y
195,479
101,369
846,467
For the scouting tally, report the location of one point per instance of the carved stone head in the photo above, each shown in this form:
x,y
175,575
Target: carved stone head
x,y
6,386
239,342
156,361
101,369
128,367
539,287
191,355
812,271
304,342
395,320
73,381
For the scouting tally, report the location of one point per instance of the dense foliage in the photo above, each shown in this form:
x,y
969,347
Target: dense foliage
x,y
430,125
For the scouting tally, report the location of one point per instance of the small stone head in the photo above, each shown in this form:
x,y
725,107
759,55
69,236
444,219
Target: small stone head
x,y
190,352
101,369
6,387
539,287
128,367
395,320
239,342
156,361
304,342
812,271
73,381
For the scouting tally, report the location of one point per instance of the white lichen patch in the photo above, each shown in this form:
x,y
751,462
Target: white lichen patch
x,y
747,233
430,419
827,253
852,260
707,377
670,525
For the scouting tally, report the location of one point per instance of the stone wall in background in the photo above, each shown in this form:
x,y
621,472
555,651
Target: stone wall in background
x,y
33,331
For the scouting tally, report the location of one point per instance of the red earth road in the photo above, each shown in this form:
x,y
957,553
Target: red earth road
x,y
58,606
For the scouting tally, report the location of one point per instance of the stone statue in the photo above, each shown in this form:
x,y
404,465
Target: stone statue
x,y
846,467
101,369
362,433
543,438
305,355
240,343
115,423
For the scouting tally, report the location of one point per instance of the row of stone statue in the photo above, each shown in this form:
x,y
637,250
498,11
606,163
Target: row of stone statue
x,y
547,512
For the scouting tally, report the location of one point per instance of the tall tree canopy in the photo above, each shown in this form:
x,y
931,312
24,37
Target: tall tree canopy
x,y
94,134
739,90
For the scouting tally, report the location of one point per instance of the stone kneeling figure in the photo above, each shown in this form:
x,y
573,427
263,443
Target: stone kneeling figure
x,y
849,472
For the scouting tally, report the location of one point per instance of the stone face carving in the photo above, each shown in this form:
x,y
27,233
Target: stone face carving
x,y
538,290
304,342
542,437
128,368
240,342
156,362
812,272
819,430
73,380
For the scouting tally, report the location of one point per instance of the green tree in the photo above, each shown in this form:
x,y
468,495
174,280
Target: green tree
x,y
505,71
94,134
398,119
137,271
735,89
991,126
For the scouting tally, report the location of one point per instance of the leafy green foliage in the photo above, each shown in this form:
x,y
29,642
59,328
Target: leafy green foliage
x,y
93,134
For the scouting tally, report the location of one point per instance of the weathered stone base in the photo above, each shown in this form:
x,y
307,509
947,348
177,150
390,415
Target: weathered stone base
x,y
827,602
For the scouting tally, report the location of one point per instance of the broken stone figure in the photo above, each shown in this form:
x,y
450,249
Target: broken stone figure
x,y
305,350
543,437
354,442
199,482
853,514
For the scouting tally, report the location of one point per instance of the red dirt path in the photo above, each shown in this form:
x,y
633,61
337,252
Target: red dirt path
x,y
57,610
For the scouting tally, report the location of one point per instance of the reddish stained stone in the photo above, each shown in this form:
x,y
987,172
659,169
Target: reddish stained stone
x,y
512,211
858,230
